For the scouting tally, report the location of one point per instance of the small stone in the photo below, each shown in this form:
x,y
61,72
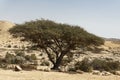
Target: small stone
x,y
95,72
105,73
18,68
79,71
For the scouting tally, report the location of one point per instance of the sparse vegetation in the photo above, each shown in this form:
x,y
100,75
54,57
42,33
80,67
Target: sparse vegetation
x,y
33,57
97,64
102,65
45,63
10,58
84,65
20,53
14,59
28,58
72,70
18,58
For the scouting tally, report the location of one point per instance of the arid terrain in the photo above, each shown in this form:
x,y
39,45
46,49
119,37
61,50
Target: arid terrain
x,y
38,75
8,44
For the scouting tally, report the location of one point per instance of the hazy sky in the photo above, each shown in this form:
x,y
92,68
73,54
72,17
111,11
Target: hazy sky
x,y
101,17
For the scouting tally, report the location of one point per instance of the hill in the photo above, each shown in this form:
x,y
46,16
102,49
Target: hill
x,y
7,42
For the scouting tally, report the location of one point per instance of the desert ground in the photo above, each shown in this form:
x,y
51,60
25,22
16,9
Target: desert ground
x,y
39,75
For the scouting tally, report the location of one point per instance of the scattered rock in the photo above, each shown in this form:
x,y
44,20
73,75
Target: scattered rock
x,y
95,72
105,73
79,71
18,68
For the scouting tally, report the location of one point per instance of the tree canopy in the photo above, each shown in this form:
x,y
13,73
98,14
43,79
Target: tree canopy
x,y
56,39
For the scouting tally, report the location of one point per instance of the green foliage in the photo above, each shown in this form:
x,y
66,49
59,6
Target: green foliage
x,y
67,59
72,70
45,63
28,58
10,58
98,64
18,58
33,57
20,53
55,38
84,65
14,59
40,30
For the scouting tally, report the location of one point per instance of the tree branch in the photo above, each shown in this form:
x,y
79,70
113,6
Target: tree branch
x,y
49,55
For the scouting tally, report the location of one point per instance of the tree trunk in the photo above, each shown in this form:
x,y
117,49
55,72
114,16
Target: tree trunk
x,y
56,66
58,62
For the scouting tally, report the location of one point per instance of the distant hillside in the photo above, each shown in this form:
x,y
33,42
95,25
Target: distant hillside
x,y
114,40
5,25
6,39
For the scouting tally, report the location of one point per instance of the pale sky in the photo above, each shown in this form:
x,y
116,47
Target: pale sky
x,y
101,17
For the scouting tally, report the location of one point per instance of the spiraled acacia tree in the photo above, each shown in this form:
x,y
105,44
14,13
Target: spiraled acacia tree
x,y
56,39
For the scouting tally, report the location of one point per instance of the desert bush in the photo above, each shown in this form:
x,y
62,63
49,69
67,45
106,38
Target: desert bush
x,y
45,63
19,60
2,63
84,65
14,59
98,64
33,57
28,67
10,58
114,65
20,53
28,58
32,47
65,61
105,65
72,70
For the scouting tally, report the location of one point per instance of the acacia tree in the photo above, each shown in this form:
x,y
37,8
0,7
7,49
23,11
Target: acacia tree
x,y
56,39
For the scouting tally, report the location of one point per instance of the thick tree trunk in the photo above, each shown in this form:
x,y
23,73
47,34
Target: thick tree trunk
x,y
56,66
58,62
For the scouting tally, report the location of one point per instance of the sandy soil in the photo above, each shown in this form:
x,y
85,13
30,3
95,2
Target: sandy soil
x,y
39,75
